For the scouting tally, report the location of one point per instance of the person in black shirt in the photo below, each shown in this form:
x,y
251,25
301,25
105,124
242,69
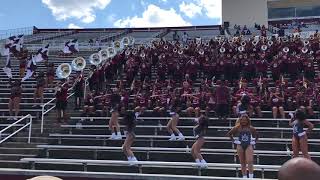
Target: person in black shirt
x,y
113,123
78,89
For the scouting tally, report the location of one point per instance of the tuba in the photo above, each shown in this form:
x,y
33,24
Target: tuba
x,y
117,45
201,52
241,49
175,50
285,49
254,42
270,43
103,54
96,59
111,52
166,47
78,64
63,71
306,43
243,43
180,51
264,47
304,50
222,50
125,41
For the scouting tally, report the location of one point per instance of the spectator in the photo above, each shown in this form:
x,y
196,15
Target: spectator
x,y
299,169
15,98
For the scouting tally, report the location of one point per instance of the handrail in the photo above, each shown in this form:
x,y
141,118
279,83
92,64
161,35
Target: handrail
x,y
43,112
14,133
150,149
160,137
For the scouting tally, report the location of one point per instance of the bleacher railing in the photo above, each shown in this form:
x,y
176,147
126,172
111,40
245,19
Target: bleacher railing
x,y
29,124
44,111
4,34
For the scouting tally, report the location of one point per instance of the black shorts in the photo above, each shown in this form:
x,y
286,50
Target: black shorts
x,y
222,110
61,105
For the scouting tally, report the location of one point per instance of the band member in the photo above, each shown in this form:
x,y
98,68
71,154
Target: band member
x,y
130,122
199,132
300,138
61,100
114,121
38,92
15,98
172,125
244,131
277,100
78,88
222,97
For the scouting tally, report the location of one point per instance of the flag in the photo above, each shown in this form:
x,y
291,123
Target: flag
x,y
31,67
7,68
42,54
71,47
13,45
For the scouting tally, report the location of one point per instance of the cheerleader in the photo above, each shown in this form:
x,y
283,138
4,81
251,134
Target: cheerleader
x,y
247,137
129,121
300,138
172,125
114,121
199,132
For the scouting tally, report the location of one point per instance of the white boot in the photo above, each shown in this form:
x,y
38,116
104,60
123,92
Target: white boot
x,y
172,137
118,136
181,137
198,162
203,164
113,136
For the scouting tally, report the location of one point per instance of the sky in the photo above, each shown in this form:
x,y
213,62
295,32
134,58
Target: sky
x,y
108,13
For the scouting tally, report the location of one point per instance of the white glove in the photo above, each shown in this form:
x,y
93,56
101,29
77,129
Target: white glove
x,y
253,142
237,142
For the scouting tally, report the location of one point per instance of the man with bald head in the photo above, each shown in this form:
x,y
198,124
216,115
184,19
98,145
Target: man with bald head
x,y
299,169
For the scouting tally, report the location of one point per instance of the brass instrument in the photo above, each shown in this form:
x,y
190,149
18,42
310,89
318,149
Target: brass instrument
x,y
63,71
78,64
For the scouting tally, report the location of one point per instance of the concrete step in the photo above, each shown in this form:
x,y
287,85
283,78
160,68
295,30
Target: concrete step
x,y
20,144
16,157
8,150
12,164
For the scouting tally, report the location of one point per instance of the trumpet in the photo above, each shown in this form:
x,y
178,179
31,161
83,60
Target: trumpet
x,y
270,43
78,64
